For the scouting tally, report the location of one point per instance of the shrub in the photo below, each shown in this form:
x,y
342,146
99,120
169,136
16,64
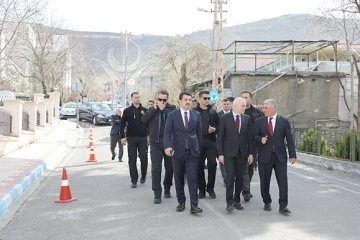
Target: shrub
x,y
342,147
309,143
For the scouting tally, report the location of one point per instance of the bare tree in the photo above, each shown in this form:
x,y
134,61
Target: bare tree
x,y
343,20
184,63
14,18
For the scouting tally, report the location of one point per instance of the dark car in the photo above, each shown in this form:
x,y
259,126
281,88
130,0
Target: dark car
x,y
96,112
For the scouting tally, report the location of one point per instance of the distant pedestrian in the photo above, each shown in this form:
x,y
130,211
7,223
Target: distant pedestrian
x,y
156,117
150,104
115,138
182,140
136,132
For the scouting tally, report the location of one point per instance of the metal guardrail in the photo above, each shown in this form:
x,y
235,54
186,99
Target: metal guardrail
x,y
5,123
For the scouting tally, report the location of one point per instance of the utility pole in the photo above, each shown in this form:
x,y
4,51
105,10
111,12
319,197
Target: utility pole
x,y
217,46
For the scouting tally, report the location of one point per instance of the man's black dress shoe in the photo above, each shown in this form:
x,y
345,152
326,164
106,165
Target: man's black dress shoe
x,y
113,156
195,209
180,207
157,200
212,194
133,185
285,211
267,207
142,179
230,207
167,194
238,206
247,197
201,194
120,160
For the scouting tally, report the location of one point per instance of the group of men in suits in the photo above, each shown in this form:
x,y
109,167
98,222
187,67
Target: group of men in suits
x,y
177,136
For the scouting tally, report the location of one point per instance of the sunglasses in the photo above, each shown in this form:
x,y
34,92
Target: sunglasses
x,y
163,100
206,98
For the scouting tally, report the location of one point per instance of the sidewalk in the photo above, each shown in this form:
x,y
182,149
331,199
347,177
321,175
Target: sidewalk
x,y
27,159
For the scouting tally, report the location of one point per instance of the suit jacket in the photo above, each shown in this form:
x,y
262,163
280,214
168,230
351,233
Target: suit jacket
x,y
222,113
115,125
230,141
175,133
282,132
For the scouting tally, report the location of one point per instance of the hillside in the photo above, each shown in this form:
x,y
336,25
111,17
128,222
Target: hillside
x,y
287,27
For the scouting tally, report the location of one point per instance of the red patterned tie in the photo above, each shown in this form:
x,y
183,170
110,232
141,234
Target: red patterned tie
x,y
237,121
270,127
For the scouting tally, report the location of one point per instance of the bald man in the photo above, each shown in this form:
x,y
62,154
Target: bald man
x,y
235,146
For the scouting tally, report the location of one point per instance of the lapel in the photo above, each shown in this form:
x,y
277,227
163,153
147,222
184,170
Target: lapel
x,y
277,124
232,121
179,119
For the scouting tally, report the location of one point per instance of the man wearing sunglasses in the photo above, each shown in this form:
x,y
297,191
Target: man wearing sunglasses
x,y
156,117
208,149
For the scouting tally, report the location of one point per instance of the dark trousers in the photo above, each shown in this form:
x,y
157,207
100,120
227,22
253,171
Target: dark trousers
x,y
265,170
186,165
208,151
248,174
234,176
137,145
116,139
157,154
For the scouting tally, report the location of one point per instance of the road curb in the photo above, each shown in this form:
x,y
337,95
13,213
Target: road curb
x,y
50,163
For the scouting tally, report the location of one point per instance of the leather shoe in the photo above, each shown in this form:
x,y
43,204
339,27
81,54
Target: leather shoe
x,y
133,185
285,211
157,200
113,156
143,179
120,160
201,194
195,209
212,194
230,207
246,197
167,194
267,207
238,206
180,207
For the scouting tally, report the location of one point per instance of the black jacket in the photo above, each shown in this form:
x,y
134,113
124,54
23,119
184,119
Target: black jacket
x,y
213,121
152,119
115,124
253,113
131,119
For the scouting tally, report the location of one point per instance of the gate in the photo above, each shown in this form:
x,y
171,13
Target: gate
x,y
5,123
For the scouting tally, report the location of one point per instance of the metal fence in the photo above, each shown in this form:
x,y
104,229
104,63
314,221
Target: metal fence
x,y
5,123
25,121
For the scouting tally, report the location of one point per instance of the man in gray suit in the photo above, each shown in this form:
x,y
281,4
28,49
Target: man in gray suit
x,y
235,146
182,141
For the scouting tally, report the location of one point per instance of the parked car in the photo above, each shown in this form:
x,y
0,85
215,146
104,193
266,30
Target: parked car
x,y
95,112
68,110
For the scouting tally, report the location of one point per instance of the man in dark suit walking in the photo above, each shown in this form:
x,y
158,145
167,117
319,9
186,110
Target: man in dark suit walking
x,y
182,141
235,146
270,133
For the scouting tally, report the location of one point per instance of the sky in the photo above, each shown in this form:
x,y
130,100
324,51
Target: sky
x,y
169,17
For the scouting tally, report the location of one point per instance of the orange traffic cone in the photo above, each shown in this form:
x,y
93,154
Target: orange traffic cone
x,y
91,143
65,193
90,132
92,155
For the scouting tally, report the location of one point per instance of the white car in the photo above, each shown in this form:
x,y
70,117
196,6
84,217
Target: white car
x,y
68,110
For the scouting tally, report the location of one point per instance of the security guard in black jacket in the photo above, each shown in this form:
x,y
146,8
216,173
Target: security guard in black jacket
x,y
115,137
136,132
208,150
254,114
156,117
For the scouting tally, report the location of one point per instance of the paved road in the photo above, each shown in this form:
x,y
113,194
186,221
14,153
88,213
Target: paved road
x,y
325,205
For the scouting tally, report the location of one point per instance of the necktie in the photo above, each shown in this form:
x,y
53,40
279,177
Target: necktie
x,y
270,127
237,121
186,126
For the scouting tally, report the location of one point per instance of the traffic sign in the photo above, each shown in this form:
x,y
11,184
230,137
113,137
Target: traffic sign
x,y
214,96
116,82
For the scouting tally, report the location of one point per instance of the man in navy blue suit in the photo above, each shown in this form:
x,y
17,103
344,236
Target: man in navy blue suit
x,y
182,140
270,133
